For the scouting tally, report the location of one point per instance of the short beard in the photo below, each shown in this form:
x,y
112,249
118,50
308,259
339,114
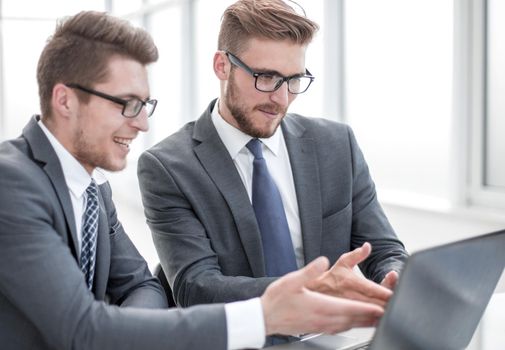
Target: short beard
x,y
239,112
87,153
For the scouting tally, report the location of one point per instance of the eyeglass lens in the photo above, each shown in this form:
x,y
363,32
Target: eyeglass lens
x,y
134,106
296,85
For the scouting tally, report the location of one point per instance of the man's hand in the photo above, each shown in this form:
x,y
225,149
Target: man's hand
x,y
289,307
390,280
342,281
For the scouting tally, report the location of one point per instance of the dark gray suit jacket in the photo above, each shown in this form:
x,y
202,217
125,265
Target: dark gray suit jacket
x,y
44,301
204,226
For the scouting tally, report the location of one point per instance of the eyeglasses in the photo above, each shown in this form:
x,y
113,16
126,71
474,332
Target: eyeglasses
x,y
269,82
131,107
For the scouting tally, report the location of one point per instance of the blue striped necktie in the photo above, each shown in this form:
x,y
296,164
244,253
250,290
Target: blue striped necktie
x,y
267,204
89,234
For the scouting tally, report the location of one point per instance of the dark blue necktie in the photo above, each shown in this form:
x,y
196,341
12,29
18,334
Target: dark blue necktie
x,y
89,233
267,203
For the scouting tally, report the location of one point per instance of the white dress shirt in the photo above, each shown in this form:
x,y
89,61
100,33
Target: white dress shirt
x,y
76,178
279,167
241,334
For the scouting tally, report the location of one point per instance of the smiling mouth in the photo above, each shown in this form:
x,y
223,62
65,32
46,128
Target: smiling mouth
x,y
122,141
271,110
269,113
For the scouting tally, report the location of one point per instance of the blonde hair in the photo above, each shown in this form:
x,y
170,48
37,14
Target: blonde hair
x,y
265,19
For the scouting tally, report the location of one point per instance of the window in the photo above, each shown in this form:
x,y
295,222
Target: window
x,y
487,83
398,65
19,52
413,78
495,102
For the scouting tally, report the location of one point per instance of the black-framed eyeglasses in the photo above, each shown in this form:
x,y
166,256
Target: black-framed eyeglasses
x,y
131,107
269,82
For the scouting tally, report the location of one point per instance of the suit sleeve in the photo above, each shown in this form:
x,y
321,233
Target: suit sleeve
x,y
369,222
182,243
40,279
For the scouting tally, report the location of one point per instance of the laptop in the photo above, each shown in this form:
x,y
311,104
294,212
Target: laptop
x,y
440,298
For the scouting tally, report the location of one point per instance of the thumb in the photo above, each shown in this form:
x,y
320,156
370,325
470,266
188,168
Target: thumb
x,y
356,256
311,271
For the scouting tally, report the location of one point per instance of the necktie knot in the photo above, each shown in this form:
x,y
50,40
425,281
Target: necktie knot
x,y
255,147
92,190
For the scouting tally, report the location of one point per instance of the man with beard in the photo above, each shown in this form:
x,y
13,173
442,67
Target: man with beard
x,y
249,192
70,278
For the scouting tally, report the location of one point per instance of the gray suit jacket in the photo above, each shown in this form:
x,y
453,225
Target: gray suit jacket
x,y
204,226
44,301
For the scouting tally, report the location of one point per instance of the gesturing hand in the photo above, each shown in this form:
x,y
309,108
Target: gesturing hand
x,y
289,307
342,281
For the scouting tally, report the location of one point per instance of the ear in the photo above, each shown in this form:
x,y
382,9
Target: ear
x,y
64,101
222,65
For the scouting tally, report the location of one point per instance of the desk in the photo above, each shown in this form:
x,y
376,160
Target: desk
x,y
490,334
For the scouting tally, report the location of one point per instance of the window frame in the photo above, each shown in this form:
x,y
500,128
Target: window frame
x,y
480,194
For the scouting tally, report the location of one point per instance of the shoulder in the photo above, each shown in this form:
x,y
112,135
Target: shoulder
x,y
16,161
179,143
23,182
12,151
321,130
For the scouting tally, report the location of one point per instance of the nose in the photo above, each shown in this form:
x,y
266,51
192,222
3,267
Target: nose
x,y
281,95
140,122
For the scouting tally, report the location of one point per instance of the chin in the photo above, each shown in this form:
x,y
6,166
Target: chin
x,y
266,132
114,166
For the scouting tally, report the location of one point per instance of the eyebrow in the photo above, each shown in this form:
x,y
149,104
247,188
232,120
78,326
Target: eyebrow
x,y
131,96
274,72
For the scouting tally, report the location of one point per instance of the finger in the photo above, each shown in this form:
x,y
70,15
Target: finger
x,y
331,314
359,288
361,321
353,321
365,290
353,258
390,280
362,311
374,290
310,272
365,298
346,307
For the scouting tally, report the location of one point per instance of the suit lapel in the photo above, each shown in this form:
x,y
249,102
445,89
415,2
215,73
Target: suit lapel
x,y
44,153
217,162
305,168
102,260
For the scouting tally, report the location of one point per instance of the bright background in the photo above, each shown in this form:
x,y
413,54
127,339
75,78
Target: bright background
x,y
420,82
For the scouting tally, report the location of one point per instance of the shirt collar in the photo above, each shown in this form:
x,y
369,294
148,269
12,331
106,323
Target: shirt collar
x,y
76,177
235,140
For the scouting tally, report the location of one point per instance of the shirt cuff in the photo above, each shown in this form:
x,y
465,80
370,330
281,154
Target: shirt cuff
x,y
245,324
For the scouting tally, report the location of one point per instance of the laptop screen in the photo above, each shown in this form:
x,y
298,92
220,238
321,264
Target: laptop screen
x,y
442,294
